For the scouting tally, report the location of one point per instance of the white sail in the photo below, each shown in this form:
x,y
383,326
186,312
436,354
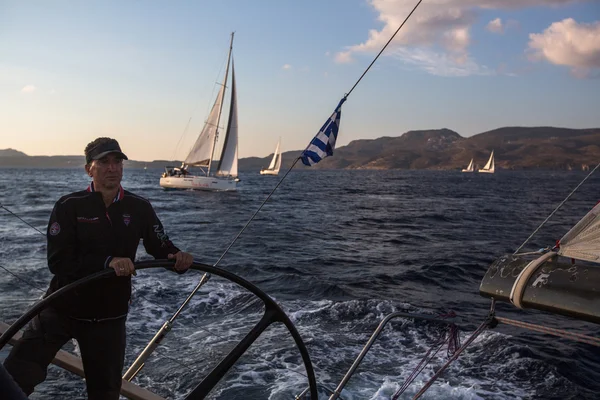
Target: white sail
x,y
582,242
201,153
228,162
275,164
469,168
276,158
490,163
490,166
278,162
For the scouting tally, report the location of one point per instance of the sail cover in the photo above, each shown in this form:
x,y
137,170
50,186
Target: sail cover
x,y
582,242
201,153
228,162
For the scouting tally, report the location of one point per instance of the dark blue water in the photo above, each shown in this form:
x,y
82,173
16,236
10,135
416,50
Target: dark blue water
x,y
338,250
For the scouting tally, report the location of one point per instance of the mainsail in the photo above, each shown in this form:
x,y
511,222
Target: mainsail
x,y
276,161
228,162
201,153
225,177
470,168
582,242
490,164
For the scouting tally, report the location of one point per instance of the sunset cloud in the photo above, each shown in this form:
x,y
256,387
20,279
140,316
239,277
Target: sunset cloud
x,y
495,26
443,26
570,44
28,89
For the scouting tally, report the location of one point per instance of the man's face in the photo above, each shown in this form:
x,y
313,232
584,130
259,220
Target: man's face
x,y
106,172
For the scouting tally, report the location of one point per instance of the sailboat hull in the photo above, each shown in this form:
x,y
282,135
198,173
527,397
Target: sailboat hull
x,y
486,171
198,183
268,172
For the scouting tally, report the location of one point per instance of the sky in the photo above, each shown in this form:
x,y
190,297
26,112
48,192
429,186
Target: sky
x,y
145,72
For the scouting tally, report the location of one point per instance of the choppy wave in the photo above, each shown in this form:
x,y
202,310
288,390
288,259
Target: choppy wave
x,y
338,250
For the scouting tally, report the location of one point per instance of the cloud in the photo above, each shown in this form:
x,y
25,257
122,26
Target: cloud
x,y
442,26
441,64
28,89
570,44
344,57
286,67
495,26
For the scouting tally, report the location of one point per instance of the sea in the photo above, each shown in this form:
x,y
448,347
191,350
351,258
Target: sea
x,y
338,251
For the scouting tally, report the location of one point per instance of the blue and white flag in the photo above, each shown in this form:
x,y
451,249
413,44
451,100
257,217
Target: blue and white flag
x,y
323,143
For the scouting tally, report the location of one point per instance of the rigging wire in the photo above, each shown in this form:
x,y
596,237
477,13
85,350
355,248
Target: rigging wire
x,y
2,206
298,158
556,209
225,339
388,42
23,279
195,108
160,307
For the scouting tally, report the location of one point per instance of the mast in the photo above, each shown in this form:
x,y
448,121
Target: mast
x,y
212,149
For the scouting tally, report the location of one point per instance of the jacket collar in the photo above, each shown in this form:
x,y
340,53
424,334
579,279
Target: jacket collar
x,y
118,197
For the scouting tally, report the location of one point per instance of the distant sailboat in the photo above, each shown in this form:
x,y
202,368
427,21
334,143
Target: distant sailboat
x,y
275,162
202,154
490,167
470,168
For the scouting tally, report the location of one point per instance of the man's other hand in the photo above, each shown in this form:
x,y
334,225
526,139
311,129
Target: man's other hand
x,y
183,260
123,266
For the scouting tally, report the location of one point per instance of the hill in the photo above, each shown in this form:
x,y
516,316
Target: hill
x,y
514,148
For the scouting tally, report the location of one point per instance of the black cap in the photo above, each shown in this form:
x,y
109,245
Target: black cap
x,y
102,147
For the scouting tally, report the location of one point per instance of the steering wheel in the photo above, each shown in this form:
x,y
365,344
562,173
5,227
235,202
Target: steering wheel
x,y
273,313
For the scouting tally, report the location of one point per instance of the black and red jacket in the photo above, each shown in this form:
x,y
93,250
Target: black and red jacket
x,y
84,235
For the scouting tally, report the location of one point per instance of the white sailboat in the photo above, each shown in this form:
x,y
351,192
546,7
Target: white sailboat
x,y
275,165
470,168
202,153
490,167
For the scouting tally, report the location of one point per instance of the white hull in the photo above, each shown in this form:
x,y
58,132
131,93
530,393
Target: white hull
x,y
198,183
468,170
486,171
268,172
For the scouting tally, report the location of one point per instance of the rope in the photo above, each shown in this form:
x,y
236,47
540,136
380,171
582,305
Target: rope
x,y
475,334
422,364
556,209
451,337
552,331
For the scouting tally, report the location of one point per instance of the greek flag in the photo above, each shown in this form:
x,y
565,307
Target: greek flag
x,y
323,143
